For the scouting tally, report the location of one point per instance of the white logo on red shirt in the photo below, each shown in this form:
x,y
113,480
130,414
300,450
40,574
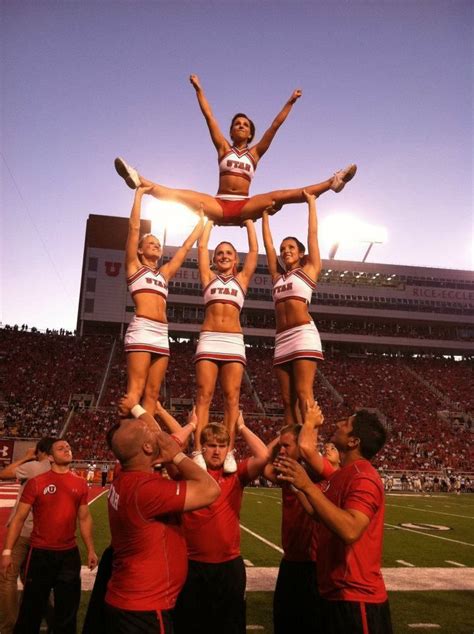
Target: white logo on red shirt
x,y
113,498
50,489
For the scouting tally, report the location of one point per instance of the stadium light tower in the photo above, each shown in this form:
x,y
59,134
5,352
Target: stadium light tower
x,y
371,244
341,228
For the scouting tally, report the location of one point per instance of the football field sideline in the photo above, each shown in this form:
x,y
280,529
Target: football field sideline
x,y
396,579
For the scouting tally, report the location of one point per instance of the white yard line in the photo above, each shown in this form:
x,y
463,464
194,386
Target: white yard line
x,y
261,495
262,539
455,563
413,508
412,530
97,497
405,563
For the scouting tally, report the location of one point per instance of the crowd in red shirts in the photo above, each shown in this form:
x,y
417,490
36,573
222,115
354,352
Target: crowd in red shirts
x,y
37,389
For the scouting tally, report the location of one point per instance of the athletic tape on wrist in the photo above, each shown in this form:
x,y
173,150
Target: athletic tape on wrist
x,y
137,411
179,458
6,552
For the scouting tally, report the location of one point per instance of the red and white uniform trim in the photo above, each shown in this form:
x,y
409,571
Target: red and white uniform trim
x,y
147,280
147,335
224,290
221,346
300,342
293,285
238,163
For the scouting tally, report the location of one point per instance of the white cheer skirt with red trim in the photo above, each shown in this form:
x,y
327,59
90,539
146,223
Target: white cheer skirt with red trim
x,y
300,342
147,335
221,346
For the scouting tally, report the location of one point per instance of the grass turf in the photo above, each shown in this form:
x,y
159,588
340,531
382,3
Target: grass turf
x,y
451,610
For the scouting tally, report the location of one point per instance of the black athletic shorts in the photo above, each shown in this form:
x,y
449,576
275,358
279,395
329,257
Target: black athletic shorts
x,y
341,617
137,621
212,600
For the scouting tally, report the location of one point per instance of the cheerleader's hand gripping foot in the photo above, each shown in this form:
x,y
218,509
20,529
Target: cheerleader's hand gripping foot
x,y
342,177
128,173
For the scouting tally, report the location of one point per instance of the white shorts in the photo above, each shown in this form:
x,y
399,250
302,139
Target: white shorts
x,y
300,342
146,335
221,346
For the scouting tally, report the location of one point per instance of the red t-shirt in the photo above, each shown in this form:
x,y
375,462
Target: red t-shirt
x,y
149,562
213,533
55,499
299,529
351,572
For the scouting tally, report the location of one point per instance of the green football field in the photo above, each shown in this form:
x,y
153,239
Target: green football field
x,y
428,559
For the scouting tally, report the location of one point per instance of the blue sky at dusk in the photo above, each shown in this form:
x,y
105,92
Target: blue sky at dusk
x,y
387,85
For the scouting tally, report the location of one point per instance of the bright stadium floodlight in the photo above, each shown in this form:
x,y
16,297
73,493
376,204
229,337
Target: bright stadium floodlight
x,y
166,215
344,228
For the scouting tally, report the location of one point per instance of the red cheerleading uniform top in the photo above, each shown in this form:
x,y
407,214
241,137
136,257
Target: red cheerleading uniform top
x,y
298,529
149,563
55,499
213,533
351,572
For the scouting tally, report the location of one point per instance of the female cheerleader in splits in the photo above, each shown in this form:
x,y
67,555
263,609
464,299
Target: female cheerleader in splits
x,y
220,351
237,163
297,343
146,339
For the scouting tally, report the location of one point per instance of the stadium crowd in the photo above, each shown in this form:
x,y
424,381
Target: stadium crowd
x,y
36,395
256,318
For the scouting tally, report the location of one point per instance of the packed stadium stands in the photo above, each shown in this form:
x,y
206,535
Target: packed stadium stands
x,y
51,383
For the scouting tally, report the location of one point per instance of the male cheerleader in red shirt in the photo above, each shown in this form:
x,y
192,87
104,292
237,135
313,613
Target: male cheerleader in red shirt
x,y
296,583
351,513
212,600
58,498
149,561
33,463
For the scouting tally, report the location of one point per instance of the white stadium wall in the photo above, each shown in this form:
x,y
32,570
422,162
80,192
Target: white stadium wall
x,y
345,290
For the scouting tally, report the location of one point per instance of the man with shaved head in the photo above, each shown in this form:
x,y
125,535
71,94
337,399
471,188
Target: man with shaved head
x,y
149,552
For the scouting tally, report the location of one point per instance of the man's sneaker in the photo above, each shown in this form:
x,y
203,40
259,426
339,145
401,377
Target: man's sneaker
x,y
129,174
199,459
342,177
230,466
